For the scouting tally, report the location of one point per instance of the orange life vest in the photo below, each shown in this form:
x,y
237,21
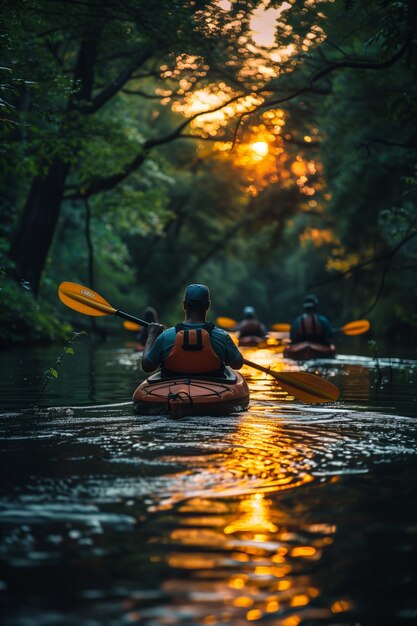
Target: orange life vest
x,y
192,352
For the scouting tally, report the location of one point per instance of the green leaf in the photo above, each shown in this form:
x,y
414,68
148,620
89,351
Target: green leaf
x,y
70,350
53,372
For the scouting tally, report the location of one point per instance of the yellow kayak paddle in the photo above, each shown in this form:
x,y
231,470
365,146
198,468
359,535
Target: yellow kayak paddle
x,y
357,327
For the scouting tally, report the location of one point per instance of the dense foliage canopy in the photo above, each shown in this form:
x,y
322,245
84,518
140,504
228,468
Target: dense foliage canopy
x,y
265,148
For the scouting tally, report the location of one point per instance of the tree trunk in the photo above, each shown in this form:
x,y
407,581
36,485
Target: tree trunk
x,y
37,225
34,234
90,262
89,242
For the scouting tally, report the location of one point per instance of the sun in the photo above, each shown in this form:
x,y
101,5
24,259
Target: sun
x,y
260,148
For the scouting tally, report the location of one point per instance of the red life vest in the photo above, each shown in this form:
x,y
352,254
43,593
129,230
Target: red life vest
x,y
251,328
192,352
310,328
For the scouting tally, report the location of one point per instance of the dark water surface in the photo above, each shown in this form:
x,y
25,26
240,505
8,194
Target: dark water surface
x,y
287,514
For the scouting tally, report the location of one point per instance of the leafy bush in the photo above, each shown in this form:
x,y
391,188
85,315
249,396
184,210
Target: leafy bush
x,y
25,320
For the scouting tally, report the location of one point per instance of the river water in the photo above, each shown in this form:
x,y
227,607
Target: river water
x,y
286,514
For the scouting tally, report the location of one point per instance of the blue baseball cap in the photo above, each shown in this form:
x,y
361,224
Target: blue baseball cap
x,y
197,293
249,311
310,301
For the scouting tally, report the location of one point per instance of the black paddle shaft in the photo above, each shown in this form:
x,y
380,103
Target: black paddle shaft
x,y
131,318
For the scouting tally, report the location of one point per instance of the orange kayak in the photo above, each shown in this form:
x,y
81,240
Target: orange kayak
x,y
185,395
306,350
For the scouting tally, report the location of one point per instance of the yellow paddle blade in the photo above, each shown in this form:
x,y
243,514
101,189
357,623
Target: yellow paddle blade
x,y
84,300
357,327
131,326
226,322
302,385
281,328
307,387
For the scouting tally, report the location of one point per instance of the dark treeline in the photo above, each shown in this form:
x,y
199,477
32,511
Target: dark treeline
x,y
302,176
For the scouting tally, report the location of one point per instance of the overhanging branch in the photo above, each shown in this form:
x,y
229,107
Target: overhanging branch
x,y
105,184
386,258
337,65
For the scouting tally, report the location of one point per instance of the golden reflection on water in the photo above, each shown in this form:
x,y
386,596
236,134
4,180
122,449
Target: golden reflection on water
x,y
242,558
262,386
266,357
254,517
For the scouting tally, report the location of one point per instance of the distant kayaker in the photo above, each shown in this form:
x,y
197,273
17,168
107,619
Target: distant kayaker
x,y
194,346
150,315
310,326
250,326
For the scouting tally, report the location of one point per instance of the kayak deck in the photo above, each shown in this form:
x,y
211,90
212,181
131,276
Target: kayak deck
x,y
252,341
192,395
306,350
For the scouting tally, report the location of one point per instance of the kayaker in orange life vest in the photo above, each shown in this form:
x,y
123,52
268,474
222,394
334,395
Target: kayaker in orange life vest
x,y
194,346
250,326
310,326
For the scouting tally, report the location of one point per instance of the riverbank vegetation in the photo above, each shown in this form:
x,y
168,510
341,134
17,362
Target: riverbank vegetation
x,y
265,148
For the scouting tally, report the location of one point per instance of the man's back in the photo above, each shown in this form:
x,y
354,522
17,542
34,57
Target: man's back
x,y
251,327
220,340
311,327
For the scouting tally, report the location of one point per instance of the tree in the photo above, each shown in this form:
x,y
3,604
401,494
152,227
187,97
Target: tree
x,y
87,55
